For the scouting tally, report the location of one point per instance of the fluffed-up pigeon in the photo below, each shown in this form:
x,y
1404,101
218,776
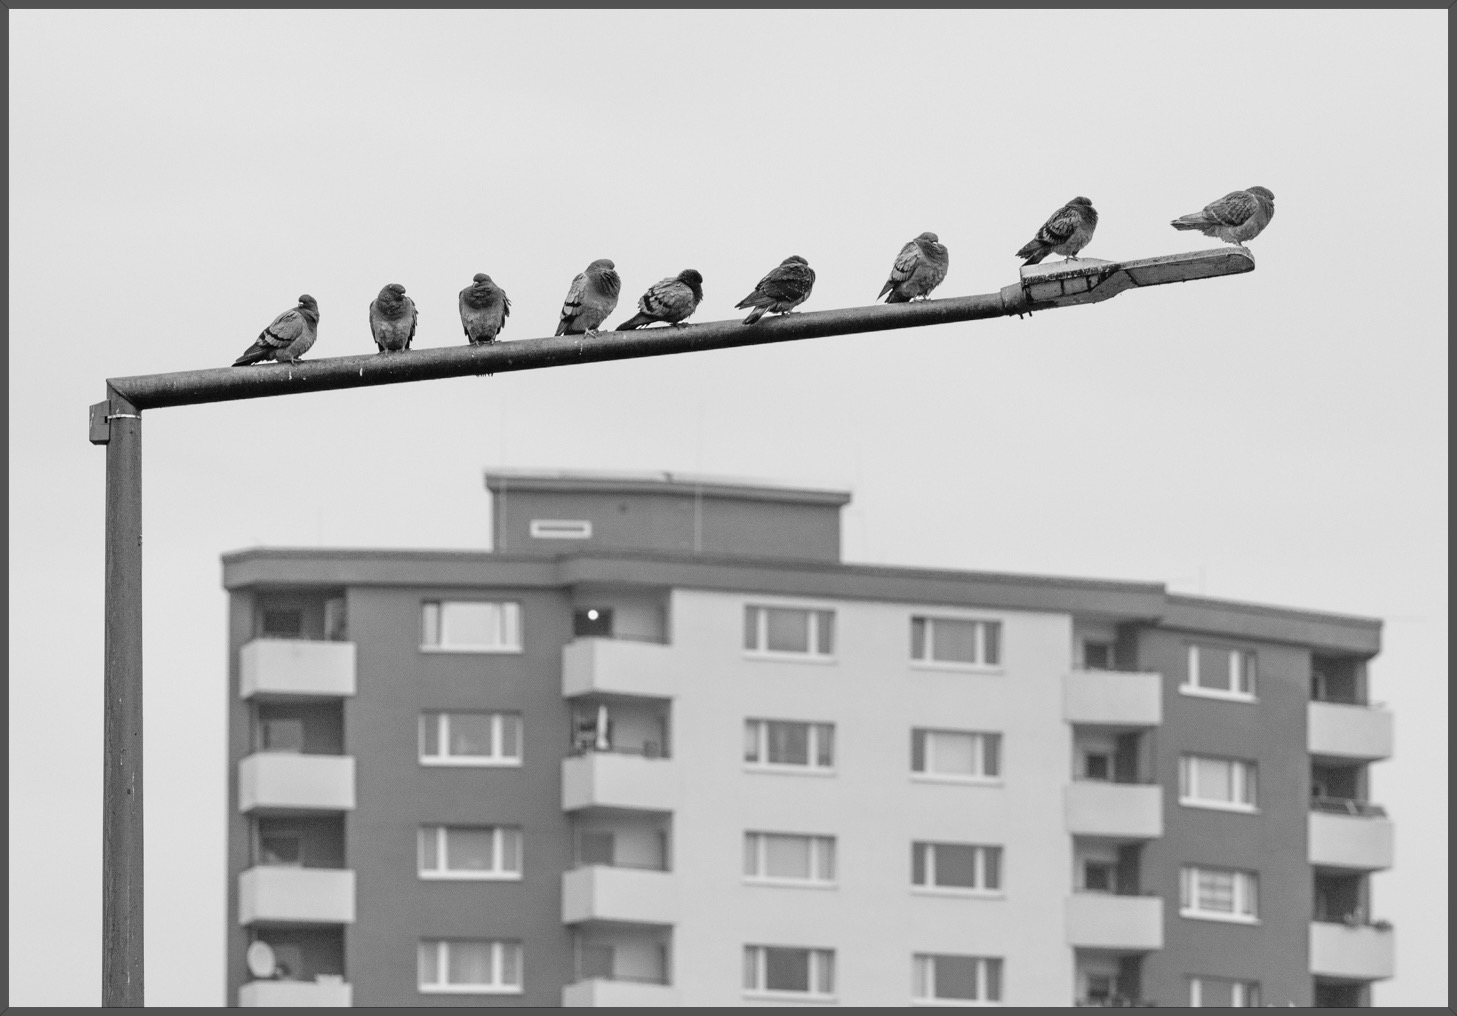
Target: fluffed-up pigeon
x,y
592,296
919,268
1236,218
288,338
484,308
1066,232
669,300
392,318
783,289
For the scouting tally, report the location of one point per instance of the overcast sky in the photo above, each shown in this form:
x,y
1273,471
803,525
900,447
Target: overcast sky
x,y
178,179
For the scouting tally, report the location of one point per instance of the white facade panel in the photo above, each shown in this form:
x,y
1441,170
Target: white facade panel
x,y
1349,732
1355,953
620,667
631,895
1126,811
598,992
1113,698
1351,841
286,782
301,895
282,668
295,993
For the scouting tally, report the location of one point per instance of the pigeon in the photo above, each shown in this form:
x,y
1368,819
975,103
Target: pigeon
x,y
288,338
782,290
1066,232
484,308
1236,218
670,300
592,296
919,268
392,319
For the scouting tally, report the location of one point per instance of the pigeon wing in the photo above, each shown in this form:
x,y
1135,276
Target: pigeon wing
x,y
904,267
285,329
572,305
1059,228
1234,209
667,300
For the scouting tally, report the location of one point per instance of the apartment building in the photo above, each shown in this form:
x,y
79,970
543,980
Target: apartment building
x,y
663,747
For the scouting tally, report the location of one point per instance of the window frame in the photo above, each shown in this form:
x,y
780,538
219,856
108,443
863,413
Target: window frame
x,y
923,980
1245,777
927,848
816,879
1246,890
509,624
560,529
442,967
979,666
811,768
1248,658
496,873
817,960
1238,989
761,632
927,775
442,739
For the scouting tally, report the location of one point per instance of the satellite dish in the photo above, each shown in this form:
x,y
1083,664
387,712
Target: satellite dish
x,y
260,960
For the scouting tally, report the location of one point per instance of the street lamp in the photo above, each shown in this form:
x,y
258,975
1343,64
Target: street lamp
x,y
117,423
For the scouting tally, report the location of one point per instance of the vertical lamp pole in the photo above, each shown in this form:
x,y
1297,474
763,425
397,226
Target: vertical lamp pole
x,y
117,424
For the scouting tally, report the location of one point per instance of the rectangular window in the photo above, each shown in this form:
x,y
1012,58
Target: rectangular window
x,y
962,978
786,969
469,966
470,739
561,529
1099,877
281,734
1223,993
466,852
470,626
1097,655
1219,894
792,631
1220,672
282,624
956,754
783,857
956,641
958,866
1217,783
773,743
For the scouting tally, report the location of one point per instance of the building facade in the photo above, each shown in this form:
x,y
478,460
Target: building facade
x,y
662,747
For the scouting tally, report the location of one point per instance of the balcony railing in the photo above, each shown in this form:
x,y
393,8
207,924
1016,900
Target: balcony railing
x,y
327,991
1354,951
1128,811
649,749
620,895
1349,732
1346,806
1113,698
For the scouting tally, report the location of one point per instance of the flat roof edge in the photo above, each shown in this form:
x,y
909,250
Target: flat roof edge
x,y
682,484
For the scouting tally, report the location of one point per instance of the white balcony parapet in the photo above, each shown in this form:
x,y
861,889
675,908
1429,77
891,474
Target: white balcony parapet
x,y
1131,811
1105,921
611,780
1362,842
297,668
1113,698
601,992
634,895
287,895
620,667
1344,731
285,782
1359,953
296,993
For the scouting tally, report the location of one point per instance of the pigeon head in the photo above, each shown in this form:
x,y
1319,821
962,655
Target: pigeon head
x,y
693,280
1081,201
393,291
929,238
1263,192
601,265
308,301
794,259
481,278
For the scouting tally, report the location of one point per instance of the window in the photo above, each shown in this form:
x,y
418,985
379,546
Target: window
x,y
781,857
1216,991
470,626
470,852
1220,673
959,866
952,641
281,734
283,624
790,630
561,529
779,968
1097,655
1219,894
956,754
1099,877
470,739
280,848
469,966
1097,765
968,978
772,743
592,622
1217,783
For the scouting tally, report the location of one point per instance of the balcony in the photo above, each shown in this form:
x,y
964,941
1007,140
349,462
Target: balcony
x,y
1121,923
296,668
1360,952
600,991
1123,811
296,993
1112,698
1348,732
285,783
618,667
617,780
624,895
1345,834
286,895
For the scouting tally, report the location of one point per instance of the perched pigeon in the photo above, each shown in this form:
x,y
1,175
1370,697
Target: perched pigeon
x,y
919,268
392,319
289,336
592,296
670,300
1066,232
782,290
484,309
1236,218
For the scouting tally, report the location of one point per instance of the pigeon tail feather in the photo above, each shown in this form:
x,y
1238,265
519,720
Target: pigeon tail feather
x,y
636,321
1189,222
896,297
754,315
256,353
